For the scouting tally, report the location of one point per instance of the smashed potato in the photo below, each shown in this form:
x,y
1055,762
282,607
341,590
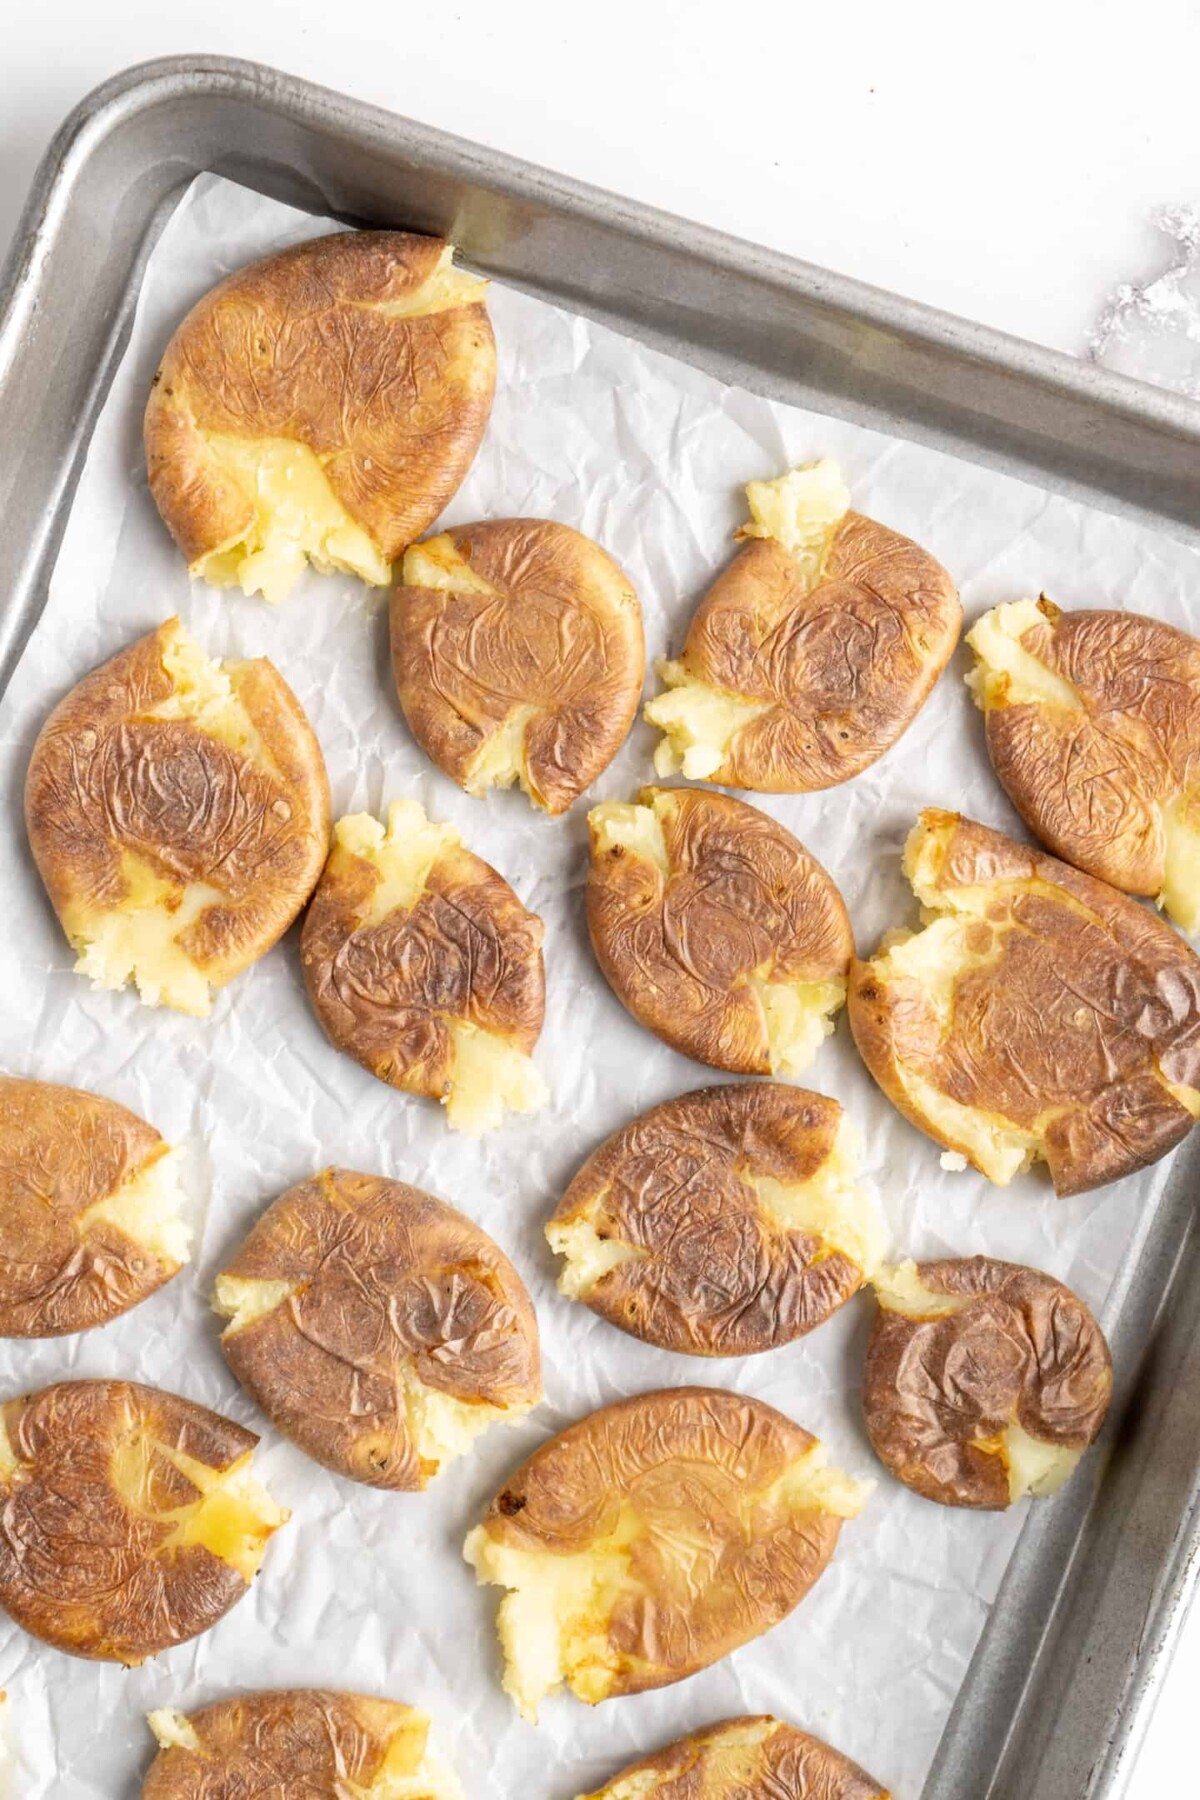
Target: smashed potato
x,y
317,1742
721,1223
1038,1016
89,1210
985,1381
653,1538
814,651
423,965
178,811
320,406
378,1328
716,929
743,1759
1093,727
518,654
131,1519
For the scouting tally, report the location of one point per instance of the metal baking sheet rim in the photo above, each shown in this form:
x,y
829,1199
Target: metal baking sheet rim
x,y
1060,1690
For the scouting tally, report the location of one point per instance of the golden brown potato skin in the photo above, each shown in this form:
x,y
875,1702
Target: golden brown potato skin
x,y
105,778
308,1743
844,669
1026,1351
1093,1005
61,1152
677,950
78,1567
390,1276
718,1275
562,633
466,950
694,1463
787,1765
293,347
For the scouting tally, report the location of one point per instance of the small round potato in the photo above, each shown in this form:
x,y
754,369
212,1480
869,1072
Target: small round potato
x,y
743,1759
716,929
378,1328
985,1381
1040,1016
320,406
308,1743
131,1521
814,651
1093,727
422,964
721,1223
518,654
89,1199
654,1537
178,811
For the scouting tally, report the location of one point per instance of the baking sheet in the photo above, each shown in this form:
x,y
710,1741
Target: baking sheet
x,y
366,1589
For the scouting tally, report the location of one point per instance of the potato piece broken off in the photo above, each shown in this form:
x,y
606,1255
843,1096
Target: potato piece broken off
x,y
985,1381
422,964
518,655
89,1210
813,652
378,1328
653,1538
1038,1015
178,812
310,1741
132,1521
1093,727
320,407
721,1223
716,929
743,1759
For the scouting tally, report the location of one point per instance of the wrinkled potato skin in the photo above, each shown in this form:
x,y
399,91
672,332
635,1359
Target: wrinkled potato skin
x,y
305,1742
78,1569
790,1765
1026,1350
689,1460
467,950
291,347
721,1277
676,951
845,669
61,1152
1089,784
1019,1044
104,778
563,633
391,1275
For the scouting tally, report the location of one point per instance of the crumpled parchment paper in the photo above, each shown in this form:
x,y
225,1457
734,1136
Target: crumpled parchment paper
x,y
366,1589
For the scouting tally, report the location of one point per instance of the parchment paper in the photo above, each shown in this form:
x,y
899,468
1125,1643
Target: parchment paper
x,y
366,1589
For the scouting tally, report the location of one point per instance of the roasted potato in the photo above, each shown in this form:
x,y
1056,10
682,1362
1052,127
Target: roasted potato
x,y
654,1537
985,1381
131,1519
378,1328
1039,1016
308,1743
721,1223
89,1210
320,406
1093,727
518,654
178,811
743,1759
716,929
812,653
422,964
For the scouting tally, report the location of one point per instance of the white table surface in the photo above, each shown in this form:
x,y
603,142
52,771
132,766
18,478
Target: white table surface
x,y
1003,162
